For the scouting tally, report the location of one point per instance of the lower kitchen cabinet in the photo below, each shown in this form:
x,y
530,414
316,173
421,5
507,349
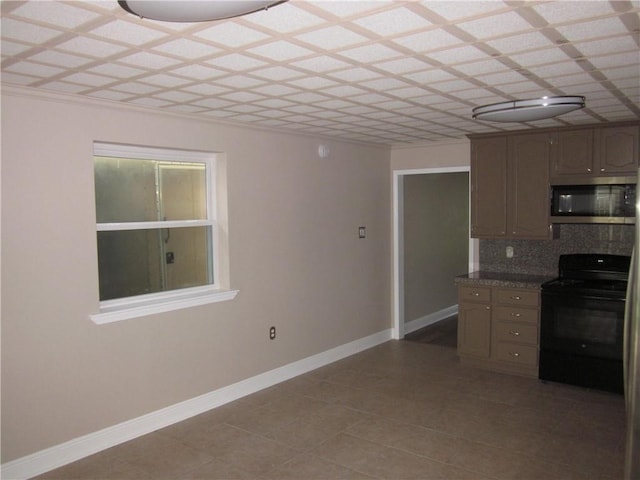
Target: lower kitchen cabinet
x,y
498,328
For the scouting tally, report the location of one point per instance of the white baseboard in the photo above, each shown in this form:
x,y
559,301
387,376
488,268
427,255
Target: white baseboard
x,y
78,448
427,320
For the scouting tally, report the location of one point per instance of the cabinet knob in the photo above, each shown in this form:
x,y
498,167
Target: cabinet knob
x,y
514,354
475,294
516,314
516,297
602,169
589,170
515,333
488,307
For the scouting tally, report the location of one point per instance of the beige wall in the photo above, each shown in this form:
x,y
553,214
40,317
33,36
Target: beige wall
x,y
294,256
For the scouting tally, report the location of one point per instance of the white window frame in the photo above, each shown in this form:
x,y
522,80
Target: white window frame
x,y
153,303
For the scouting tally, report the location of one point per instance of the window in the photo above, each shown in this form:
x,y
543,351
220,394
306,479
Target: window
x,y
156,230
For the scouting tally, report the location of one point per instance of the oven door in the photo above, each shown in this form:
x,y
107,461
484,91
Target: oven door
x,y
583,325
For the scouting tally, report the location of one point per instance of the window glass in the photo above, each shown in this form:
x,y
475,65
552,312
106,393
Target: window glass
x,y
155,225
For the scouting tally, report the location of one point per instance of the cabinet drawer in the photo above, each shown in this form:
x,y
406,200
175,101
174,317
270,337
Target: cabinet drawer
x,y
516,314
516,332
510,296
514,353
474,294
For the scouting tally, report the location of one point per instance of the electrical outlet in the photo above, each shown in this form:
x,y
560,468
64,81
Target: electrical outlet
x,y
362,232
509,252
272,333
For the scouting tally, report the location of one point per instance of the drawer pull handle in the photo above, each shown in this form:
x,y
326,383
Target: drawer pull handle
x,y
515,333
516,297
515,314
475,294
514,354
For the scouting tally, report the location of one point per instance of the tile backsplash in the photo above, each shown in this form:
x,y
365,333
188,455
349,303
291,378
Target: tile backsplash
x,y
540,257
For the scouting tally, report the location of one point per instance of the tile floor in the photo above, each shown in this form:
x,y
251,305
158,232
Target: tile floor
x,y
402,410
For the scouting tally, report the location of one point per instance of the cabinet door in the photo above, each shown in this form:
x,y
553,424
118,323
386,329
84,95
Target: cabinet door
x,y
528,180
474,329
617,150
489,187
571,153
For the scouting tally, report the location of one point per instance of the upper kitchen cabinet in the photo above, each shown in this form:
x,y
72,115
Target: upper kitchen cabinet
x,y
510,186
489,187
594,155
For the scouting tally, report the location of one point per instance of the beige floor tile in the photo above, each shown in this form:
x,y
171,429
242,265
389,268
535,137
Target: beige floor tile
x,y
399,410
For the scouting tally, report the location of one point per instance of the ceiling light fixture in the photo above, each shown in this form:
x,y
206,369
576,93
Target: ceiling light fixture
x,y
528,110
194,11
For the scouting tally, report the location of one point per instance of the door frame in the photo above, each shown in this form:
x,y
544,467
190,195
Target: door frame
x,y
398,239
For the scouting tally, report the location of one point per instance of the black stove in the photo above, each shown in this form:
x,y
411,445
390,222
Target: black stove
x,y
582,321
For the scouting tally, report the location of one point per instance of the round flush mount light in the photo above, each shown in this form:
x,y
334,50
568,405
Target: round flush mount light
x,y
528,110
194,11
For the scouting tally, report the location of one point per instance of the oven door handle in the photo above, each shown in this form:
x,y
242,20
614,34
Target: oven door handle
x,y
629,331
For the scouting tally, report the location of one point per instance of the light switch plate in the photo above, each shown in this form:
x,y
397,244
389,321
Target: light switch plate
x,y
362,232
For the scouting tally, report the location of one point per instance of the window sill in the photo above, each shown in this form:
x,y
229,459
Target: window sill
x,y
117,310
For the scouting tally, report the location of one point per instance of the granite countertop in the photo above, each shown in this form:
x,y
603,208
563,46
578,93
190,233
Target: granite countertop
x,y
503,279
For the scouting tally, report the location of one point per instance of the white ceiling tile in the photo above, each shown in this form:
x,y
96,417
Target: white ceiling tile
x,y
383,84
497,25
500,78
88,79
429,76
18,79
149,60
214,103
403,65
280,51
592,30
276,73
239,81
150,102
285,18
307,97
344,91
231,34
322,63
355,74
539,57
605,46
302,109
59,59
454,10
91,47
312,82
64,15
276,90
623,72
342,9
175,96
164,80
330,38
429,40
474,69
34,69
619,60
274,103
408,92
26,32
519,43
135,88
12,48
370,53
127,32
244,108
334,104
393,22
556,70
115,70
236,62
370,98
561,12
453,86
205,89
183,47
458,55
198,72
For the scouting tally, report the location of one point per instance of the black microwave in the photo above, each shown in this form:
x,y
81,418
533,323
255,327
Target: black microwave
x,y
593,203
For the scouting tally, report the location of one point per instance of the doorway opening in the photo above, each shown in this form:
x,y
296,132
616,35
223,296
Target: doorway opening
x,y
423,275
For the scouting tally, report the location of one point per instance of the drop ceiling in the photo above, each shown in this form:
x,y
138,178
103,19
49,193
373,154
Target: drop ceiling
x,y
389,72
